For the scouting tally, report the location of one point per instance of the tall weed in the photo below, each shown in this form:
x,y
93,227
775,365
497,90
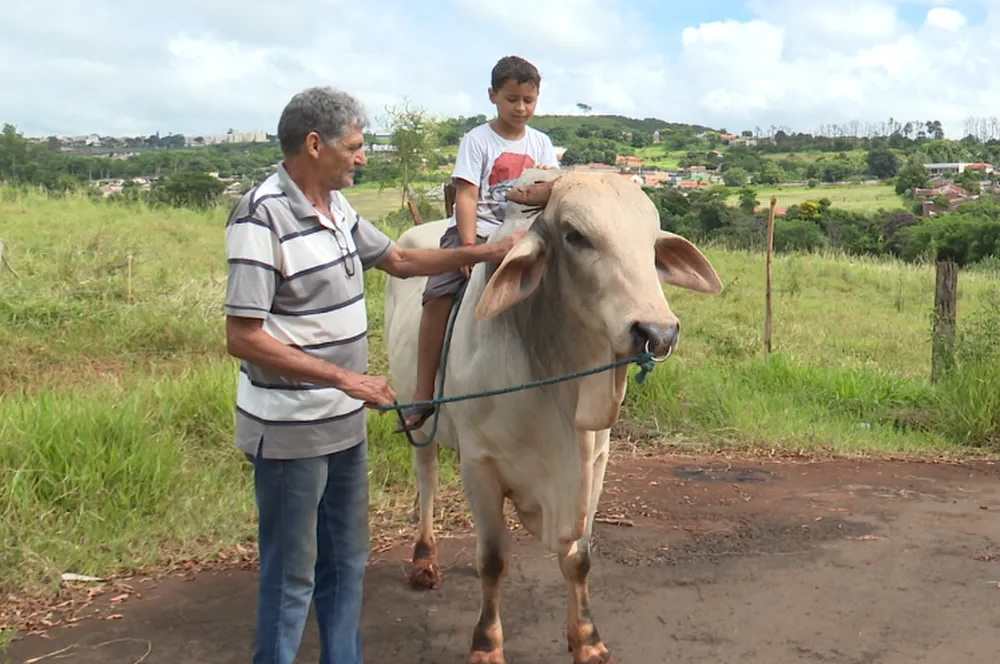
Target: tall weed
x,y
968,399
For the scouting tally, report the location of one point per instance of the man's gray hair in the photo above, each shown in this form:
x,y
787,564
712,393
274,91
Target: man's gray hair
x,y
329,112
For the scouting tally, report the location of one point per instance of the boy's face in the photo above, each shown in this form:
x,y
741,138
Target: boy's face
x,y
515,102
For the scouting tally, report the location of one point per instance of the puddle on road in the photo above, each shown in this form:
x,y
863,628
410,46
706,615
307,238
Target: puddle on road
x,y
727,474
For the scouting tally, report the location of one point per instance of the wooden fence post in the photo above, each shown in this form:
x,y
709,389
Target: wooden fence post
x,y
414,212
4,261
767,297
129,268
945,309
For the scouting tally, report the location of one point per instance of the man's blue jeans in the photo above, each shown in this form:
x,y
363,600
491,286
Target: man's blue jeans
x,y
313,539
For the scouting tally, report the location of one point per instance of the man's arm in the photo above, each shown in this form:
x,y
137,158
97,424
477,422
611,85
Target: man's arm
x,y
405,263
247,340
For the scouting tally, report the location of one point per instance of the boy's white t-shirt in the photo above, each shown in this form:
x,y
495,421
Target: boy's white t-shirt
x,y
493,163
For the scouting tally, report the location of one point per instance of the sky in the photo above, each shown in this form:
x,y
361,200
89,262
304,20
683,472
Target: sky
x,y
200,67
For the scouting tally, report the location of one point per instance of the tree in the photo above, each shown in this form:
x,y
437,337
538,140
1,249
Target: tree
x,y
770,173
968,180
797,235
735,177
585,108
912,176
414,133
883,163
748,200
188,189
835,171
13,152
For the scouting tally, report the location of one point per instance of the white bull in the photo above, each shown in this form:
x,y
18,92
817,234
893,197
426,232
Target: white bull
x,y
581,288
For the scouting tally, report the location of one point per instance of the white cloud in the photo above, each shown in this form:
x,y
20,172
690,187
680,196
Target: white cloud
x,y
584,28
946,19
204,66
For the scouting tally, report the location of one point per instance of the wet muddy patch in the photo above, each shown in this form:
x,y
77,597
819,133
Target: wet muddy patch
x,y
724,473
740,538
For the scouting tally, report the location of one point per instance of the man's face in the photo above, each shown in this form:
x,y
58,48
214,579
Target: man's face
x,y
515,102
338,159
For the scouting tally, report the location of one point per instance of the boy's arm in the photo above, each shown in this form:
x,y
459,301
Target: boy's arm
x,y
466,202
549,159
469,168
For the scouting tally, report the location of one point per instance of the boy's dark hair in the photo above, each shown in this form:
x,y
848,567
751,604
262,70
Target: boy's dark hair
x,y
516,68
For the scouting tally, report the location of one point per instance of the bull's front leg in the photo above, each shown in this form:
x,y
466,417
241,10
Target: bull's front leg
x,y
425,572
584,640
493,557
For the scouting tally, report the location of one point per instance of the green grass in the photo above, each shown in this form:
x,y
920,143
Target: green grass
x,y
814,156
850,364
372,203
116,405
855,197
656,156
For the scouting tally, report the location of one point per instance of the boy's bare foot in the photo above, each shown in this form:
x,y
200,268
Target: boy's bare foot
x,y
414,417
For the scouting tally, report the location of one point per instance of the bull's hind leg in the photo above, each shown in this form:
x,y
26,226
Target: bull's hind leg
x,y
425,572
584,641
493,557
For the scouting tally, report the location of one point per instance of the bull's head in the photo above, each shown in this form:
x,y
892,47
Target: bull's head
x,y
599,239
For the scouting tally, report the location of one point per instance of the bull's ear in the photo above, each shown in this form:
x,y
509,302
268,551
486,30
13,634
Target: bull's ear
x,y
536,194
680,263
518,276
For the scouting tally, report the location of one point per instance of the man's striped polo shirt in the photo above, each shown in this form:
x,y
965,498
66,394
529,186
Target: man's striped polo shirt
x,y
300,273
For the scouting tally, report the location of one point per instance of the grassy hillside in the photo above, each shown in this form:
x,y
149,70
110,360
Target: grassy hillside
x,y
116,394
814,156
858,198
617,122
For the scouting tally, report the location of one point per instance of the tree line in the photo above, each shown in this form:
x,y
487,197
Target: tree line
x,y
969,235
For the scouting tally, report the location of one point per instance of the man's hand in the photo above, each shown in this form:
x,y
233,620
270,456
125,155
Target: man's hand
x,y
501,247
373,390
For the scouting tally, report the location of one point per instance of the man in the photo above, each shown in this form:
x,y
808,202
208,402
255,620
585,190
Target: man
x,y
295,316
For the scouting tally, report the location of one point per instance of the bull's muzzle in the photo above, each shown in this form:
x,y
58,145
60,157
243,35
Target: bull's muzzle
x,y
660,340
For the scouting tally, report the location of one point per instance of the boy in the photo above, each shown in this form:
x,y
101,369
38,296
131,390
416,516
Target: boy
x,y
490,158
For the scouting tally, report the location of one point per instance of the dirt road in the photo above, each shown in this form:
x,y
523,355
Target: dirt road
x,y
695,561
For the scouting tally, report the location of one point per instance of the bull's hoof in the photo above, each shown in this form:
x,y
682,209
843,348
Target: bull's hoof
x,y
492,657
593,657
425,574
595,653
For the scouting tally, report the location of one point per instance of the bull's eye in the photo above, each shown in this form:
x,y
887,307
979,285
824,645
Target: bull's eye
x,y
577,239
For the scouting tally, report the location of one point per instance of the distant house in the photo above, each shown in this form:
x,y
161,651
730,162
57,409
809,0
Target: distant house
x,y
949,190
656,178
956,167
930,196
778,210
982,167
629,161
593,167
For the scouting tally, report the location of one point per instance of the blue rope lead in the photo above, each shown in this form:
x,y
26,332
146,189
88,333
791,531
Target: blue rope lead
x,y
646,361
